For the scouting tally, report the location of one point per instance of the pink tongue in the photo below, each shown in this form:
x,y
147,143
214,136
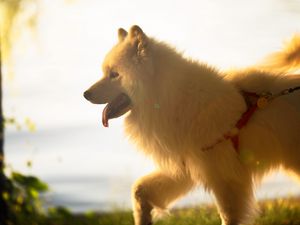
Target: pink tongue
x,y
105,117
116,108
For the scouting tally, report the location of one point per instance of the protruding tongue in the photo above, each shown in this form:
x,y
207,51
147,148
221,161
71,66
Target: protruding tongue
x,y
105,116
119,106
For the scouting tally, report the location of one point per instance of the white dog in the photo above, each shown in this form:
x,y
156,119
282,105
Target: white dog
x,y
223,130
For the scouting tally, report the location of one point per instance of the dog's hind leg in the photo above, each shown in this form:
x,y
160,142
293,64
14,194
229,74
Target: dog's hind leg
x,y
156,190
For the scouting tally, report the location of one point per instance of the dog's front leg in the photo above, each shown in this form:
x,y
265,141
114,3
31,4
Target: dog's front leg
x,y
156,190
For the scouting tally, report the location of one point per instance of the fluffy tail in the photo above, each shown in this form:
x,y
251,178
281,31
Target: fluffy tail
x,y
287,60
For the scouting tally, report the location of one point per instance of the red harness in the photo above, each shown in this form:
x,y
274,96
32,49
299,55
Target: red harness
x,y
252,107
252,100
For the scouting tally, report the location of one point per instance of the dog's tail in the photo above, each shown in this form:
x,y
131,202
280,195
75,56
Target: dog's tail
x,y
287,60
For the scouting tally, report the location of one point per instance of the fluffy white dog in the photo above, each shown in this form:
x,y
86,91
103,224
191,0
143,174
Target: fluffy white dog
x,y
223,130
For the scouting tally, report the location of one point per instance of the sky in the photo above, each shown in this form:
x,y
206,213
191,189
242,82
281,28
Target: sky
x,y
70,148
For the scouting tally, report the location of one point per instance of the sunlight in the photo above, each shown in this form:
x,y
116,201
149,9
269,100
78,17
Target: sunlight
x,y
65,58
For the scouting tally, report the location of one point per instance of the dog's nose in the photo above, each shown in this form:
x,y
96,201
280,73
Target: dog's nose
x,y
87,95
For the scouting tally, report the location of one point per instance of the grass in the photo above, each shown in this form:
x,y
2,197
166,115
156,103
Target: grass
x,y
272,212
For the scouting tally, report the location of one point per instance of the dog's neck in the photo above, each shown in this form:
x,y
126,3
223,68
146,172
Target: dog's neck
x,y
173,101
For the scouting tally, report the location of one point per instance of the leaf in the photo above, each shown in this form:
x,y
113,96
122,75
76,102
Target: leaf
x,y
33,193
29,182
5,196
30,125
29,163
20,199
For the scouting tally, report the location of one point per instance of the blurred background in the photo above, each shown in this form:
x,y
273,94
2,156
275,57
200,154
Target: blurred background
x,y
55,53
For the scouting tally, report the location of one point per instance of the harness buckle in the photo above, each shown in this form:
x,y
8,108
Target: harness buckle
x,y
264,100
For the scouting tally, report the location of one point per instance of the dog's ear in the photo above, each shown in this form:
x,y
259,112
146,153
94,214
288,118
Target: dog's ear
x,y
121,34
139,39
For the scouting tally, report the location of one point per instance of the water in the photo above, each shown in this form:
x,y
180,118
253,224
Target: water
x,y
96,176
87,166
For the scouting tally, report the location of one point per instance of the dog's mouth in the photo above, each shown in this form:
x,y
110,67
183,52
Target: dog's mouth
x,y
116,108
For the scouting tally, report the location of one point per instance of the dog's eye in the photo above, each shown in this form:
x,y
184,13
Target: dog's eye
x,y
113,75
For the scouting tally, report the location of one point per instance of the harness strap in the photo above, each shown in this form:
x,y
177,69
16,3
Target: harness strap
x,y
234,136
253,101
258,101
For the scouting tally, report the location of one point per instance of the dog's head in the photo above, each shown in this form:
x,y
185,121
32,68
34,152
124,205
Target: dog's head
x,y
126,66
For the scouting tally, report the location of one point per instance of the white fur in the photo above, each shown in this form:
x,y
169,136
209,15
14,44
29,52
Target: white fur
x,y
180,107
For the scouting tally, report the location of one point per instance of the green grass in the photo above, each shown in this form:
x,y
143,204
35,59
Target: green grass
x,y
272,212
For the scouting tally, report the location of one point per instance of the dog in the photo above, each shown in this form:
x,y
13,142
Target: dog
x,y
223,130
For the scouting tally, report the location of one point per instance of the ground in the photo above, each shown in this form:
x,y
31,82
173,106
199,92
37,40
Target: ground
x,y
273,212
